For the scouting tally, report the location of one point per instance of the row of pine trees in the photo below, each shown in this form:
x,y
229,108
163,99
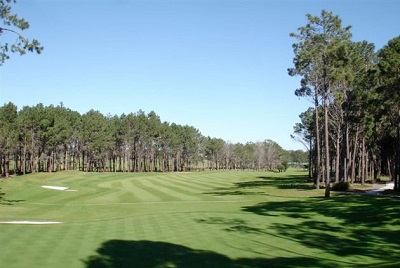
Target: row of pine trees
x,y
54,138
353,127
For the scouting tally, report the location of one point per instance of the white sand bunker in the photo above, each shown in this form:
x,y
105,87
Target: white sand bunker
x,y
59,188
30,222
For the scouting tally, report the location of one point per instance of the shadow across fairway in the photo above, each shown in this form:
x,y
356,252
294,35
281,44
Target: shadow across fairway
x,y
352,210
352,228
298,182
7,202
122,253
286,182
344,225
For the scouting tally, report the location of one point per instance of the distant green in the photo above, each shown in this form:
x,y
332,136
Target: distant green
x,y
198,219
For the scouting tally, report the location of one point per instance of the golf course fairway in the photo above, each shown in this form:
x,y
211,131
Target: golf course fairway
x,y
195,219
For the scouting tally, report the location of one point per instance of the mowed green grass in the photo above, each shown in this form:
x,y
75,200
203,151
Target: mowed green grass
x,y
199,219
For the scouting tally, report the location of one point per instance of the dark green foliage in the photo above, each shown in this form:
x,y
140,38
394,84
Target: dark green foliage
x,y
342,186
280,168
285,165
389,99
318,46
8,136
54,138
354,126
22,44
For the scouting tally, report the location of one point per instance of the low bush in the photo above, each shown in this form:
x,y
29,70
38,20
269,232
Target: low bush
x,y
341,186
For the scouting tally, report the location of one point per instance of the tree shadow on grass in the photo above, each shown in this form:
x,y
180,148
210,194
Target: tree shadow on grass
x,y
233,191
353,210
122,253
344,225
299,182
295,182
7,202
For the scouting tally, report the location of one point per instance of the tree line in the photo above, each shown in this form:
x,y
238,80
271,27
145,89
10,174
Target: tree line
x,y
54,138
353,128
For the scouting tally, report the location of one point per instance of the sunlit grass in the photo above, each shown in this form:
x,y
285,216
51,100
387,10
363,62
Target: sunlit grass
x,y
199,219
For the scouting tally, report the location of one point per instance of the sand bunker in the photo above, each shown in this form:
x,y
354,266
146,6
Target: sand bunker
x,y
59,188
30,222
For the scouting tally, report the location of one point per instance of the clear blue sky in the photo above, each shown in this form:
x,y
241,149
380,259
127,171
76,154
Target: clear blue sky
x,y
220,66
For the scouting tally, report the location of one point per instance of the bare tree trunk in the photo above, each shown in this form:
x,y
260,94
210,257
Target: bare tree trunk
x,y
396,178
353,162
16,164
83,161
367,165
327,159
348,154
66,159
375,167
23,165
337,161
363,161
318,147
310,161
389,166
2,166
6,163
119,160
175,164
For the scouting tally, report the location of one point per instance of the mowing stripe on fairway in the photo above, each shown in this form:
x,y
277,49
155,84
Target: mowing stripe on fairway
x,y
141,203
252,219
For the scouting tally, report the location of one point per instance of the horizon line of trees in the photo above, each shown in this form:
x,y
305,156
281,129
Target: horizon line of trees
x,y
54,138
353,129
